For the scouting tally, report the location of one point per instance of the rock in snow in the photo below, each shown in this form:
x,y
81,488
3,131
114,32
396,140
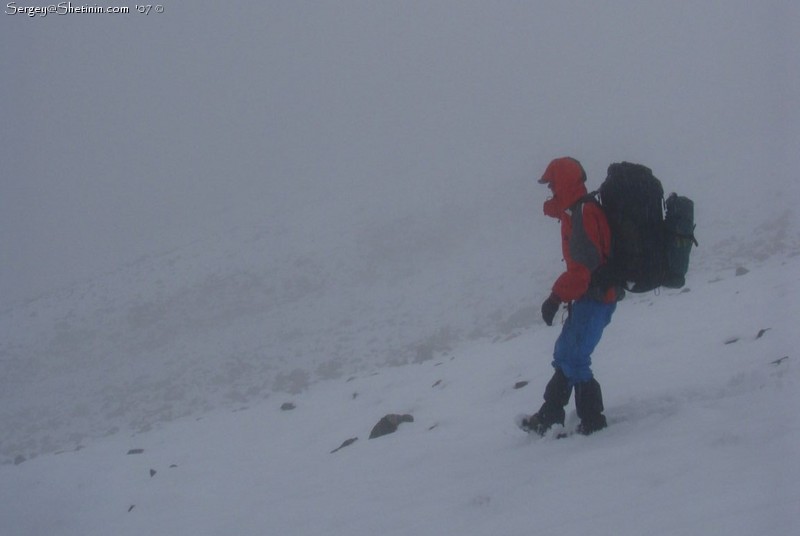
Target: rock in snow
x,y
389,424
346,443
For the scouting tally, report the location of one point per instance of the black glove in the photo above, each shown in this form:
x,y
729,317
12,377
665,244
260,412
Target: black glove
x,y
550,308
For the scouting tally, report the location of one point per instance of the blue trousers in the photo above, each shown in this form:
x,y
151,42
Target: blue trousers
x,y
579,337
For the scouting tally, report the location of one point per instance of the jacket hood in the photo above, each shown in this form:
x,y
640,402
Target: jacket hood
x,y
566,178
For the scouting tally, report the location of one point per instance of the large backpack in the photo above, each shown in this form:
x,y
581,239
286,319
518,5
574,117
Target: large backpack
x,y
648,250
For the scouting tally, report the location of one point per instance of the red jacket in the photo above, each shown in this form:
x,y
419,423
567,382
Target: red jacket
x,y
585,235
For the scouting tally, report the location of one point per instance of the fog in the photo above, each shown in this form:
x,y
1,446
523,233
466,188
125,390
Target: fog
x,y
126,135
214,189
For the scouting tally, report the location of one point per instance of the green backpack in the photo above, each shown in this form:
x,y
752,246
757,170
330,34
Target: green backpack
x,y
678,239
648,248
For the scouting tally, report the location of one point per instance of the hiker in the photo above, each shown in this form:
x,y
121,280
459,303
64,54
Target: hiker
x,y
586,244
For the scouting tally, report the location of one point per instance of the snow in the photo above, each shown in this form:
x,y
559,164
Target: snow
x,y
209,214
702,439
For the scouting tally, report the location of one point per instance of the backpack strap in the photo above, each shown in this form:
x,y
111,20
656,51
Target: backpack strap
x,y
591,197
604,275
581,247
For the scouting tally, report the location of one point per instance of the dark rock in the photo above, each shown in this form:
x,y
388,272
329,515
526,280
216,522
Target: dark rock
x,y
520,385
153,473
779,360
287,406
132,507
346,443
389,424
741,270
762,332
19,459
135,451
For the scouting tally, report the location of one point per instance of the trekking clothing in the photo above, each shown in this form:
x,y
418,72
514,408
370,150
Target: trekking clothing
x,y
556,396
585,235
579,336
589,403
586,245
563,166
550,308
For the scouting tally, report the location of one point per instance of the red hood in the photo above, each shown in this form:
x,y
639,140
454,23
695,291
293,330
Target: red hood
x,y
566,178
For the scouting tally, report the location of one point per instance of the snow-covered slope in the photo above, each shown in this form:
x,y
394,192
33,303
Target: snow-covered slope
x,y
207,213
701,392
256,311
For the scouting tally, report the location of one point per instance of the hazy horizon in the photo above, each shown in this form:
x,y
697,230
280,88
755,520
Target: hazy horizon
x,y
133,135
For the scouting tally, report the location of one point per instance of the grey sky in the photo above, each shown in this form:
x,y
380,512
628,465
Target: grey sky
x,y
126,135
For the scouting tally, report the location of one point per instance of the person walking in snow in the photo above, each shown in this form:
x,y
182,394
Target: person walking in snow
x,y
586,244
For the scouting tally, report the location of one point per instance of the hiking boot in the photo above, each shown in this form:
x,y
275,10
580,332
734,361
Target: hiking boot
x,y
589,403
535,425
556,396
590,426
541,421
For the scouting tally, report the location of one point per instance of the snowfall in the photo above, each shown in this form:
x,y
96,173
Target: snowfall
x,y
184,355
